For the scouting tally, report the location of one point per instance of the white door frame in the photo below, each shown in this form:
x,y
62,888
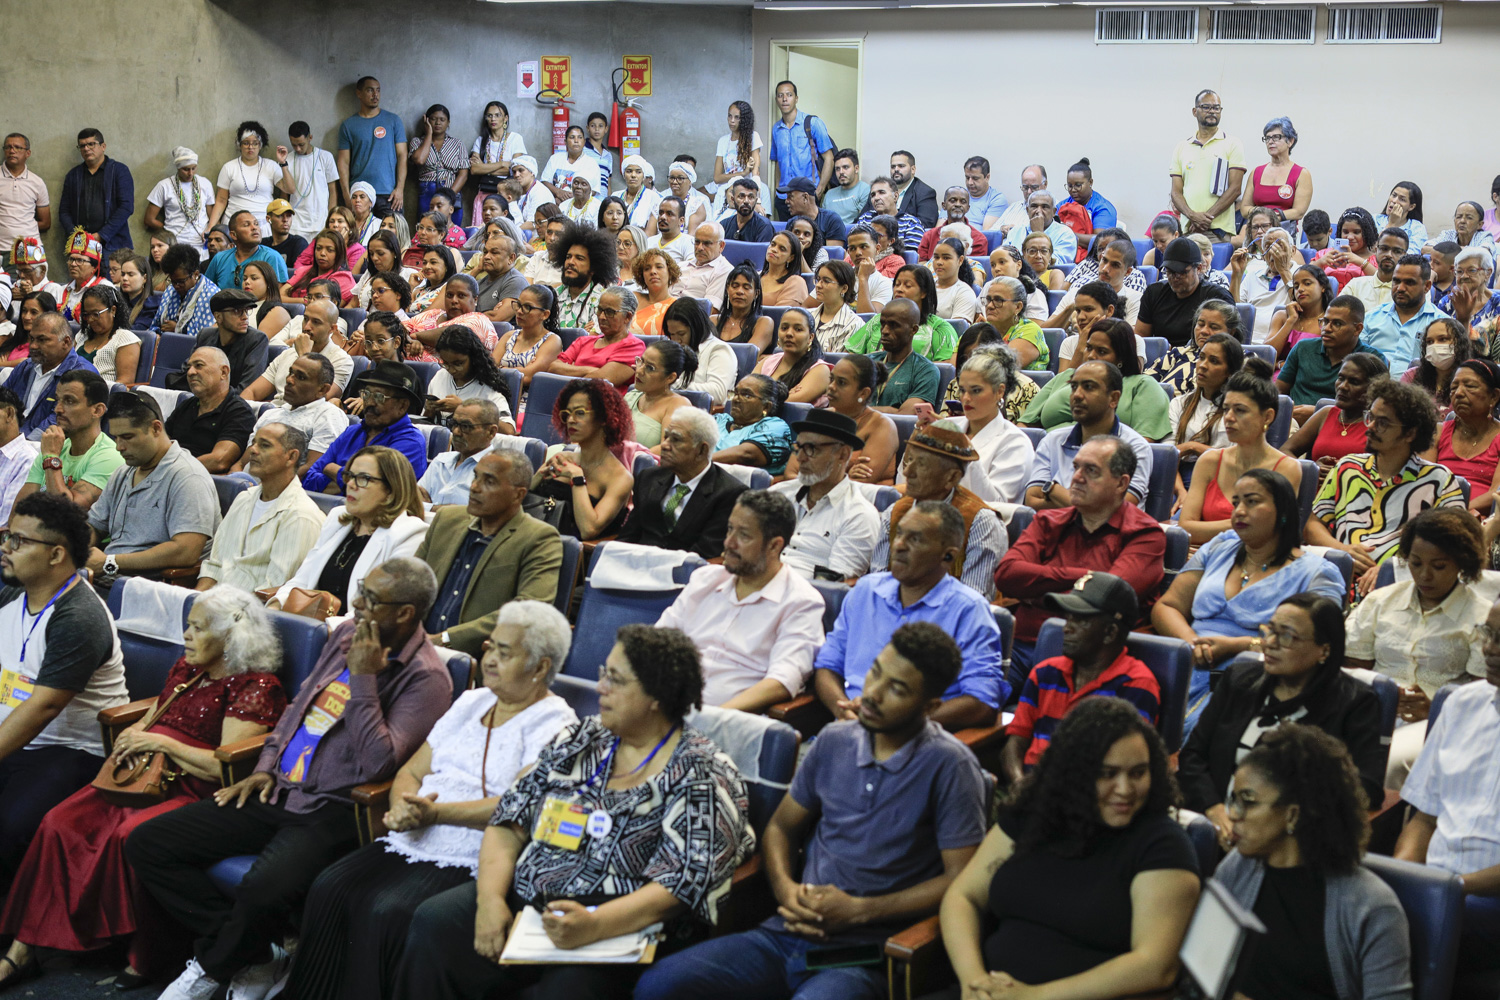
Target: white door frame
x,y
777,64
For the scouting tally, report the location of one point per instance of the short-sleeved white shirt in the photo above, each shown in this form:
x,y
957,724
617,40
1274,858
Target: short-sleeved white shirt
x,y
312,174
250,188
168,196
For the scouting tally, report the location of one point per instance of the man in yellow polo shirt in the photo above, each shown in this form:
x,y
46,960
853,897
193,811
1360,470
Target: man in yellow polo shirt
x,y
1208,170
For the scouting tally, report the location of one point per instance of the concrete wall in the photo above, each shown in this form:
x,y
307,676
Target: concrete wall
x,y
1030,85
163,73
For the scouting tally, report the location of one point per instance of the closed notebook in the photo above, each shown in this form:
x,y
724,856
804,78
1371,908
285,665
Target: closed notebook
x,y
529,944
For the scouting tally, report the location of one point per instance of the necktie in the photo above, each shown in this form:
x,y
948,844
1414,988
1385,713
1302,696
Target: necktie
x,y
673,502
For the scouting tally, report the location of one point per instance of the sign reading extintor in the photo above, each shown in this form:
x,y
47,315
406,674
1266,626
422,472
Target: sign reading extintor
x,y
637,76
557,74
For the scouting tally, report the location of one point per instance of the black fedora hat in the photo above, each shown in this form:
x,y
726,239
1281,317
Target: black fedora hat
x,y
830,423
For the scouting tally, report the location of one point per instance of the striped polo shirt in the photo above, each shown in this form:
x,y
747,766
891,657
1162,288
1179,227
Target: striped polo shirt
x,y
1049,695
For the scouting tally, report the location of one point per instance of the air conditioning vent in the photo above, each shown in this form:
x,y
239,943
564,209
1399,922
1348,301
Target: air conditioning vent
x,y
1286,25
1385,25
1145,24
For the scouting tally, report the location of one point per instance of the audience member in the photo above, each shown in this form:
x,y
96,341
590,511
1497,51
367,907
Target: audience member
x,y
1005,310
1011,918
503,283
1262,272
295,808
1472,301
535,343
1374,290
1208,171
433,846
954,274
751,431
847,196
1169,308
1367,498
1005,453
1080,181
17,455
1097,530
1312,365
214,424
180,204
610,354
685,501
76,456
1115,264
1197,418
1097,614
585,475
889,856
880,212
226,269
1142,404
1230,585
157,511
1443,282
467,372
836,523
671,235
28,264
703,277
34,381
488,553
372,150
279,219
305,405
1093,400
331,260
872,290
833,297
1316,439
717,365
25,209
798,363
935,463
319,321
746,225
98,195
1036,250
1392,329
438,266
245,347
1033,179
139,301
1311,295
269,529
1041,217
669,848
985,201
781,280
1356,227
1473,429
389,393
932,336
475,426
1403,211
800,147
586,262
659,372
1468,228
740,320
84,255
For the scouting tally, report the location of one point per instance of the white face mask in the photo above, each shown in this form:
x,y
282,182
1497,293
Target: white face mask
x,y
1440,356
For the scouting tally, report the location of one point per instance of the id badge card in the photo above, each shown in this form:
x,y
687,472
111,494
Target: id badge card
x,y
15,689
561,824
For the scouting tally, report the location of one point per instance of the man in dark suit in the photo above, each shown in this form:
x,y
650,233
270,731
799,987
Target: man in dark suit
x,y
488,553
917,198
684,502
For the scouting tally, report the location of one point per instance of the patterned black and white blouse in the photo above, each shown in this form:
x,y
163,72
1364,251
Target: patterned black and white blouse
x,y
686,829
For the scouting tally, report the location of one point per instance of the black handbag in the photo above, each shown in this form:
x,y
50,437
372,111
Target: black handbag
x,y
545,509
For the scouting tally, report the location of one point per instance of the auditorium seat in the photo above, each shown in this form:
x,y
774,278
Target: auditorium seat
x,y
601,612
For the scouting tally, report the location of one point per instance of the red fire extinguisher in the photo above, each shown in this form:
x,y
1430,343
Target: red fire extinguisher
x,y
560,116
624,122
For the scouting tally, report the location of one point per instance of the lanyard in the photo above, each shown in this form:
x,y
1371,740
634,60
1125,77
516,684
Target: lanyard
x,y
603,764
46,607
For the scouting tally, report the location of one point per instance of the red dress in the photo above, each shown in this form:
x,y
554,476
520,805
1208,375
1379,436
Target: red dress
x,y
1478,470
74,890
1336,439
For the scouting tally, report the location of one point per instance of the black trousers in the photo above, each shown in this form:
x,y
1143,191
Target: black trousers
x,y
171,856
440,963
31,783
355,921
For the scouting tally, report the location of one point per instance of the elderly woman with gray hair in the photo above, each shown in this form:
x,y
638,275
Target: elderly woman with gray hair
x,y
1279,184
1005,452
74,891
440,804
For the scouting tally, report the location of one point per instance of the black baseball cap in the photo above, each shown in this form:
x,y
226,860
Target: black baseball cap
x,y
1098,593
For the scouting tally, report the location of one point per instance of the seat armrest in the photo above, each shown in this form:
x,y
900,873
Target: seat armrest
x,y
746,871
375,795
916,962
371,802
237,759
978,738
180,572
804,713
912,942
113,720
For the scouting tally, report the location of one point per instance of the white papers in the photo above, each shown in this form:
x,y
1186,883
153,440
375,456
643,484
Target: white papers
x,y
529,943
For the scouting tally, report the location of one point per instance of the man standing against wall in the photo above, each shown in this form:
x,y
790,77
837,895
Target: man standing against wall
x,y
800,147
1207,171
24,206
315,174
98,195
372,148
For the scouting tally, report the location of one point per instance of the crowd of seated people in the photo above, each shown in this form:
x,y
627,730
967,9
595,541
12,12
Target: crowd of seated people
x,y
956,420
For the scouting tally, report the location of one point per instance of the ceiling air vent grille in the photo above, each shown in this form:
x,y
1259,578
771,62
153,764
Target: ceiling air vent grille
x,y
1287,25
1385,25
1113,25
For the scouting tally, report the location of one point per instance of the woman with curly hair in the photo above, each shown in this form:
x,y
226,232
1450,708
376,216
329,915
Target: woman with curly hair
x,y
586,475
1299,824
738,153
587,260
74,890
1357,226
249,181
657,273
1091,822
1300,680
1311,295
468,373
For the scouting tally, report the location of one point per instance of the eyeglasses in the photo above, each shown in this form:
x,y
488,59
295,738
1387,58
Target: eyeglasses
x,y
1239,803
364,597
1268,139
377,342
996,300
12,540
1462,272
464,426
1275,635
612,680
106,312
527,307
1210,107
373,398
607,313
1487,633
744,394
1380,424
363,481
805,450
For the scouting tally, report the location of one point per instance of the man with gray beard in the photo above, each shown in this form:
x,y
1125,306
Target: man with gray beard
x,y
836,524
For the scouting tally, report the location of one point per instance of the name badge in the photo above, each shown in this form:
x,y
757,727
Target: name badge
x,y
561,824
14,689
600,823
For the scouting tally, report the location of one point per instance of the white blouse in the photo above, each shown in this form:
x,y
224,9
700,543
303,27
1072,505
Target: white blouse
x,y
402,538
105,359
1005,457
957,301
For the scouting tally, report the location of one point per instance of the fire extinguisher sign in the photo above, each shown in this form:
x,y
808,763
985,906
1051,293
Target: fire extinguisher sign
x,y
557,74
637,76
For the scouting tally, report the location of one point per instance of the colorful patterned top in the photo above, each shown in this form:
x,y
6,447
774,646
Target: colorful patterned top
x,y
1357,506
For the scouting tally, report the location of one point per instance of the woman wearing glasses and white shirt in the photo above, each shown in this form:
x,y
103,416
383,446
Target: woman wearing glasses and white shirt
x,y
250,181
382,518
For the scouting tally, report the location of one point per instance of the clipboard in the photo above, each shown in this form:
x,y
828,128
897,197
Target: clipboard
x,y
528,944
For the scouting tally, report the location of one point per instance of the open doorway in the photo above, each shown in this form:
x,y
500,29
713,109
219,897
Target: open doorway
x,y
827,74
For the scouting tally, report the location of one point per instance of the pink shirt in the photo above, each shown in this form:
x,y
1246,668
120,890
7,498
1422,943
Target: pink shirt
x,y
20,197
586,352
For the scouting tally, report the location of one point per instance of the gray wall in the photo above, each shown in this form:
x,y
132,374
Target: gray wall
x,y
163,73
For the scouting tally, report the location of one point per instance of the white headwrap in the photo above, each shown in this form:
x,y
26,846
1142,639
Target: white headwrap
x,y
686,168
366,187
637,161
526,162
184,157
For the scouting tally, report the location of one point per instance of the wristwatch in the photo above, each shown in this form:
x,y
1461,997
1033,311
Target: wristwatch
x,y
443,639
111,567
580,481
52,463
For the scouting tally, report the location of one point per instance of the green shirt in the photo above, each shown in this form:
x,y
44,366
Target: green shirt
x,y
935,340
916,376
1143,406
1028,331
92,467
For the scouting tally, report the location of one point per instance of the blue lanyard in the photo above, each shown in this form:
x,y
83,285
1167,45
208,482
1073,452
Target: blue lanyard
x,y
46,607
611,756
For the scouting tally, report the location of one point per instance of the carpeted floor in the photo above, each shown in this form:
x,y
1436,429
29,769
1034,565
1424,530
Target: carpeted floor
x,y
75,977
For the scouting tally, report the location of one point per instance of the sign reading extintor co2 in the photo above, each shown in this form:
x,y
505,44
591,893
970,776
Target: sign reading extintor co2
x,y
557,74
637,76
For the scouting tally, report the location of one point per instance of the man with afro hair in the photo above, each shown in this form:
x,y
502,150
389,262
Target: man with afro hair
x,y
586,257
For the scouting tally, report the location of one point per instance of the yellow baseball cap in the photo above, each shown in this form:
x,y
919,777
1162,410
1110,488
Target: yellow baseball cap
x,y
279,207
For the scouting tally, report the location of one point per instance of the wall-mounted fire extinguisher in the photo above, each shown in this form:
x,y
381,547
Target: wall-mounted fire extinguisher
x,y
624,122
560,116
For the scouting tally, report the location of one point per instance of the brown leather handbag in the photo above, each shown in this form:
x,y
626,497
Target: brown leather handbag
x,y
314,604
146,779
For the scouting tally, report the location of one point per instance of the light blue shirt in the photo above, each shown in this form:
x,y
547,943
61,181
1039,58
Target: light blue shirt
x,y
992,202
447,477
1054,456
1416,233
1064,241
791,152
846,202
873,611
1385,332
225,271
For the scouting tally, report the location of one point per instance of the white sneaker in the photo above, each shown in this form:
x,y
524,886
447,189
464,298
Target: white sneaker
x,y
193,984
259,982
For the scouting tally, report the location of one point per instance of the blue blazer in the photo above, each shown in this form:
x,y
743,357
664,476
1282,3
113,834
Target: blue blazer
x,y
44,413
119,203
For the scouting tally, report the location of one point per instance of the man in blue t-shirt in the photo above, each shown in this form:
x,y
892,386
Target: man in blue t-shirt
x,y
372,148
